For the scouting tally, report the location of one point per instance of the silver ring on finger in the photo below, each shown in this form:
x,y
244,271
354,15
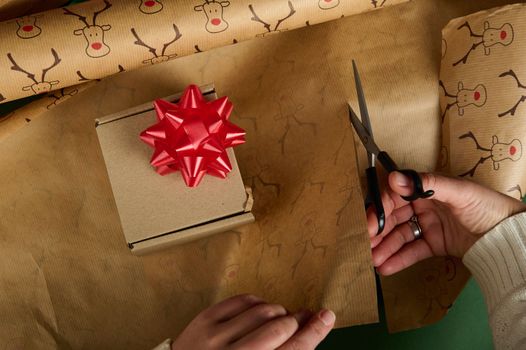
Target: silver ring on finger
x,y
415,227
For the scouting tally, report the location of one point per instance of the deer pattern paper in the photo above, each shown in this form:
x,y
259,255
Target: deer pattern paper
x,y
93,33
150,7
27,27
161,56
213,10
488,38
481,96
328,4
39,85
144,32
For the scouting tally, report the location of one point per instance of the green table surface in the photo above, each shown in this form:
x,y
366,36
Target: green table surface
x,y
464,327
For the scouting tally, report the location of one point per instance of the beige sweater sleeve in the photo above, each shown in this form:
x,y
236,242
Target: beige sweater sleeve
x,y
498,263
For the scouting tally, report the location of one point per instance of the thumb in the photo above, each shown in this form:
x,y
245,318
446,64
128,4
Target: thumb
x,y
312,333
447,189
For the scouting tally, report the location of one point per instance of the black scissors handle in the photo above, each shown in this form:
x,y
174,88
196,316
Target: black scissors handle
x,y
418,189
374,197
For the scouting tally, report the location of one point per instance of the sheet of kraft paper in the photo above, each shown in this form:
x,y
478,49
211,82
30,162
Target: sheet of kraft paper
x,y
72,282
94,39
483,89
308,247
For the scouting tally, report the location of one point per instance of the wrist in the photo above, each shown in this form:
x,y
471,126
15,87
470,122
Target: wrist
x,y
516,207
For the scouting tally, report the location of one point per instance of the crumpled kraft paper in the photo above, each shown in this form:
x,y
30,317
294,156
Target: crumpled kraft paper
x,y
482,94
308,248
59,209
91,40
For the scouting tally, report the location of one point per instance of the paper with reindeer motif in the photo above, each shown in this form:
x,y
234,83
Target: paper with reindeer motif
x,y
63,47
482,98
63,243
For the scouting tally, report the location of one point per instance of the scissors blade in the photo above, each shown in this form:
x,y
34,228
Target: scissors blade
x,y
364,113
363,133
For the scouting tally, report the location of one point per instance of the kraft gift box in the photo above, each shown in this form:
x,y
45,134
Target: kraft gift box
x,y
159,211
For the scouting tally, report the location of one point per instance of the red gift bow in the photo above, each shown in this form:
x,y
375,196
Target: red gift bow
x,y
192,136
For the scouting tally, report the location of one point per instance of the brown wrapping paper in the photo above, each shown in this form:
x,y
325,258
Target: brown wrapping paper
x,y
60,219
19,8
308,247
483,91
23,116
58,48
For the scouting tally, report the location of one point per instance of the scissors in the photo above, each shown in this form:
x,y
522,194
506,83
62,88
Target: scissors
x,y
365,133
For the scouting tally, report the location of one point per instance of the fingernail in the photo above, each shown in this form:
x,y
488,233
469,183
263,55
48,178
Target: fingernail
x,y
327,317
401,179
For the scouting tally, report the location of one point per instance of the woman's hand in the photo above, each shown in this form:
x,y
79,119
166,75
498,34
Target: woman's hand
x,y
452,220
247,322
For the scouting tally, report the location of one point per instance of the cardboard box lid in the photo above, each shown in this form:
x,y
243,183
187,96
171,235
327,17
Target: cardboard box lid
x,y
152,205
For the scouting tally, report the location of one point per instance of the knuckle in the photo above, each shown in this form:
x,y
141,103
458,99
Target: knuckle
x,y
317,329
270,310
249,298
285,327
401,238
277,331
430,181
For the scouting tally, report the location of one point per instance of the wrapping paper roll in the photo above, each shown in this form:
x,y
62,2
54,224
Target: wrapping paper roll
x,y
91,40
482,93
18,8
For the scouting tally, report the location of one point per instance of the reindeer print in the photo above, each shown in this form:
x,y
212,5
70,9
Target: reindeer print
x,y
463,98
83,78
156,57
378,3
443,158
498,152
513,109
215,23
489,38
43,85
93,33
27,27
311,234
522,197
60,96
197,49
2,97
267,25
434,287
150,6
328,4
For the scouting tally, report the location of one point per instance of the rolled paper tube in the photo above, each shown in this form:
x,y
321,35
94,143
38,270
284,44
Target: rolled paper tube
x,y
67,46
482,95
18,8
25,115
